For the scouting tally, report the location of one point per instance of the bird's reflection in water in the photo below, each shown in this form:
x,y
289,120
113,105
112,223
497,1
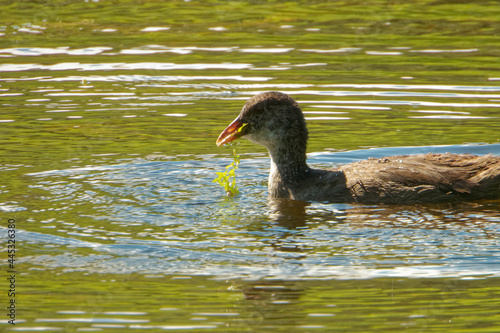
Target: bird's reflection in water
x,y
293,214
288,213
271,303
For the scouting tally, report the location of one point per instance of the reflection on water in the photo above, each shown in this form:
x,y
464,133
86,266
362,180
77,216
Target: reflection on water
x,y
160,217
158,303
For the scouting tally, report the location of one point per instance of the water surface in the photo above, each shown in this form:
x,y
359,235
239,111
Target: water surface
x,y
109,118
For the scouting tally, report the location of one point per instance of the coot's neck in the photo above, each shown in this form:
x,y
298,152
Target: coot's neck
x,y
288,168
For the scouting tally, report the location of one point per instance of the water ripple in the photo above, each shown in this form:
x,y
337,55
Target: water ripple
x,y
157,217
77,66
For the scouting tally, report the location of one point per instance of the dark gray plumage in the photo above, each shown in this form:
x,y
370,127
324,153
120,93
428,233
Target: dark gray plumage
x,y
275,121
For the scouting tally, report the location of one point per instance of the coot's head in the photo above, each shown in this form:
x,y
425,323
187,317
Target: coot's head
x,y
271,119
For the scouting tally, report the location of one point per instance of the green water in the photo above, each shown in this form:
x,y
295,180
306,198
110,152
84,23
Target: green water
x,y
368,27
196,303
107,136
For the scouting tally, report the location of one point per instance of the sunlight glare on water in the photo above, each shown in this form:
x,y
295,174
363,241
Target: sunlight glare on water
x,y
169,212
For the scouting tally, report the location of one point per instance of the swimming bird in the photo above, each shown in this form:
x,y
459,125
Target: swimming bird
x,y
275,120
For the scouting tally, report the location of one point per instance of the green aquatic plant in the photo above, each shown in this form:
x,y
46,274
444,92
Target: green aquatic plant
x,y
227,179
